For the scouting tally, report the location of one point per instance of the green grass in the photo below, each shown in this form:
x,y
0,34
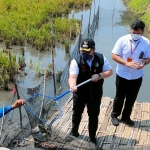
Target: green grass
x,y
37,20
138,6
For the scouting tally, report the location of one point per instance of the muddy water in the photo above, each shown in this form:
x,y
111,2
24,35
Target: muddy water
x,y
114,21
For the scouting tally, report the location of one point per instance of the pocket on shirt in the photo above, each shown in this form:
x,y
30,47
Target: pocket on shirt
x,y
136,54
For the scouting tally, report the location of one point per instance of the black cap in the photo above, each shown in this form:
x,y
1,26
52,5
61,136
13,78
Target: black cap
x,y
87,44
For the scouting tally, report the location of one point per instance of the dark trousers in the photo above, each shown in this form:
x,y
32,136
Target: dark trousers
x,y
93,109
126,90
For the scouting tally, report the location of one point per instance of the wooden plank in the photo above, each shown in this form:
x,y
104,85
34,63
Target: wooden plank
x,y
108,136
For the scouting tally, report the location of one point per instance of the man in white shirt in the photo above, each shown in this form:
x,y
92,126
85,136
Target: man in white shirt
x,y
132,53
88,64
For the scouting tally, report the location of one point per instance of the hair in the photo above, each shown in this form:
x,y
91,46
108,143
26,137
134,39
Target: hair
x,y
138,25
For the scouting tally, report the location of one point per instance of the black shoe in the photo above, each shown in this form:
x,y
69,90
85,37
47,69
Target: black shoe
x,y
76,134
128,122
115,121
93,140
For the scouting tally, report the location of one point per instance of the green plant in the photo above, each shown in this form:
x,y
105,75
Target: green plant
x,y
6,81
37,69
67,46
58,75
49,70
21,21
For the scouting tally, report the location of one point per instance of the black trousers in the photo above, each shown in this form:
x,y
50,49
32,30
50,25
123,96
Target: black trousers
x,y
126,93
93,109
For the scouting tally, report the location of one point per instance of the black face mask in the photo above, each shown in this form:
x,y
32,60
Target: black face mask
x,y
86,56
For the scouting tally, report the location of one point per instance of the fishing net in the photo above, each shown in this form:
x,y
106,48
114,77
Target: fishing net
x,y
88,32
41,110
10,124
37,109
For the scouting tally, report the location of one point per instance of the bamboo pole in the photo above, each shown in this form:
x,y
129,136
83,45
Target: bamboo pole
x,y
43,93
53,67
18,97
11,77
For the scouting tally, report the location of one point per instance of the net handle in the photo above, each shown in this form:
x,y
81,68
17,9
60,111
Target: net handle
x,y
58,97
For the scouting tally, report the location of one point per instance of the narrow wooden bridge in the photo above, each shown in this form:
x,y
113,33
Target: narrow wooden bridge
x,y
108,136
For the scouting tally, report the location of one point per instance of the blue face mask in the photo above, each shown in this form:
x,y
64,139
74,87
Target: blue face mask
x,y
86,56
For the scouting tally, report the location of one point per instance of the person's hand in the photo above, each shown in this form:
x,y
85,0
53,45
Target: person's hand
x,y
73,89
141,65
18,103
95,77
132,64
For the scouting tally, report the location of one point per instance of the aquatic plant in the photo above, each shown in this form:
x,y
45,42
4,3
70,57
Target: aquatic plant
x,y
33,20
37,69
58,75
7,68
49,70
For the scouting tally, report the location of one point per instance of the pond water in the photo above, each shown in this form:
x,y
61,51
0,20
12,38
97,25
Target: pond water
x,y
114,21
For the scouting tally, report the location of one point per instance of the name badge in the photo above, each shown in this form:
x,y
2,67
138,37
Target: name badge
x,y
129,59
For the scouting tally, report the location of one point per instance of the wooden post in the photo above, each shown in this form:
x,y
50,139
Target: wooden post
x,y
12,78
53,66
18,97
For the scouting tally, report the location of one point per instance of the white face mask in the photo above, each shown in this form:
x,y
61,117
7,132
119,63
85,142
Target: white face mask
x,y
135,36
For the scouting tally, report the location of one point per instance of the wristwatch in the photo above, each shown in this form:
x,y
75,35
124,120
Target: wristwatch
x,y
99,76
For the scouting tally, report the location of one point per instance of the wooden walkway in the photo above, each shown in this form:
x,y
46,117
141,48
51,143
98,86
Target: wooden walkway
x,y
108,136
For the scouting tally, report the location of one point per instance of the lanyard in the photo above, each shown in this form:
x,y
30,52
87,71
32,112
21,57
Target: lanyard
x,y
134,48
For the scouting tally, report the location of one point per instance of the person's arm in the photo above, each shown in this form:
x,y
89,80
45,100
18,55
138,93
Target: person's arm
x,y
106,74
7,109
73,74
117,53
146,61
119,60
72,82
18,103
